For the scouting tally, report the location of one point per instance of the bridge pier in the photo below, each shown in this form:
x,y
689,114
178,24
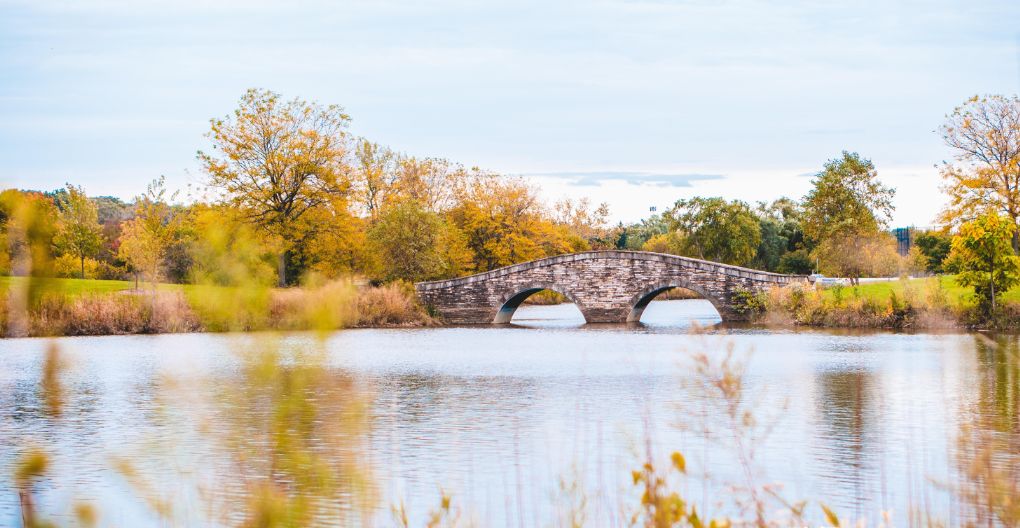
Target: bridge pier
x,y
606,286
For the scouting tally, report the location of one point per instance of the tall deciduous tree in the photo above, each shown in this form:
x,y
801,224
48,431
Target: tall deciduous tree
x,y
984,253
712,228
155,228
985,132
80,234
845,211
277,161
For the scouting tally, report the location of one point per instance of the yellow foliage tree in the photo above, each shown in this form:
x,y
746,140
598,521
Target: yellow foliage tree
x,y
278,162
502,219
583,220
985,132
432,182
985,258
377,175
146,238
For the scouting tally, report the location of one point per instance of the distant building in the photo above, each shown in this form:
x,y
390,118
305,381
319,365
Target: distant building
x,y
904,239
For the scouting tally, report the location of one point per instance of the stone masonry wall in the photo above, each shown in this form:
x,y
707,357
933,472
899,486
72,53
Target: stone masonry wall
x,y
605,285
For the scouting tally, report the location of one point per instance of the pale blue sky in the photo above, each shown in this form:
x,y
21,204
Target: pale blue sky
x,y
634,103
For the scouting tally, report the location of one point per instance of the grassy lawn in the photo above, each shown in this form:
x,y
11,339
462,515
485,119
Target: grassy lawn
x,y
882,290
79,286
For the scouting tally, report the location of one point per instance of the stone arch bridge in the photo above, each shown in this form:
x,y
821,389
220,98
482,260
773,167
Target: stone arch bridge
x,y
607,286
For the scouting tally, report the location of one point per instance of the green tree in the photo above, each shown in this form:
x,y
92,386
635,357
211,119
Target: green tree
x,y
712,228
797,262
279,161
772,247
415,244
80,234
984,253
934,247
844,213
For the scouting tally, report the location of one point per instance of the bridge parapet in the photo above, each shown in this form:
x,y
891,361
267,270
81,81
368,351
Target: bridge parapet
x,y
607,286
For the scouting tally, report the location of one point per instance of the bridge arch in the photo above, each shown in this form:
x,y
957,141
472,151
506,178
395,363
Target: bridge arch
x,y
512,299
646,294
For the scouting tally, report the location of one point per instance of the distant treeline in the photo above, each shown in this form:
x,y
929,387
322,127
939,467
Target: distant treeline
x,y
288,194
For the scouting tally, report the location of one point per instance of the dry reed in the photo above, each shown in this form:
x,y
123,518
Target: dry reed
x,y
331,306
101,314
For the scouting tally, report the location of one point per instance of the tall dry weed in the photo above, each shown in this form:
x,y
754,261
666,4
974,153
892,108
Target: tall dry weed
x,y
56,314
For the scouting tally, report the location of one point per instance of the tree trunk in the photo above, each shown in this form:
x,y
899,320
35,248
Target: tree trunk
x,y
83,267
281,268
991,279
1016,240
698,245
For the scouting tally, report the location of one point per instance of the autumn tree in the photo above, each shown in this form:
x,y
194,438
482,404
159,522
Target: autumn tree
x,y
714,229
339,247
985,132
155,228
845,212
415,244
28,225
277,161
502,219
80,234
377,170
436,184
582,219
984,255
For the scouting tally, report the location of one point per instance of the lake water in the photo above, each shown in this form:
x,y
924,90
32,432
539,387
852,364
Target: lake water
x,y
500,416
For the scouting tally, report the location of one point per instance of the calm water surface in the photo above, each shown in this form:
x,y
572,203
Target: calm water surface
x,y
500,415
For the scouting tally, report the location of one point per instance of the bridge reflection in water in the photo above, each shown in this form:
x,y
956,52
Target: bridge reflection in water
x,y
606,286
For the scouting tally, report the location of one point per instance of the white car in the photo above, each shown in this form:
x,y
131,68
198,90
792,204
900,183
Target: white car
x,y
822,280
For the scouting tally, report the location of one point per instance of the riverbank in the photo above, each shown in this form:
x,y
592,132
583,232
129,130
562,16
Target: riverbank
x,y
930,303
70,307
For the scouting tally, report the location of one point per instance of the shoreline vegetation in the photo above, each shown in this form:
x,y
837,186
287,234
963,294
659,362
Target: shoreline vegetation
x,y
925,304
50,307
33,307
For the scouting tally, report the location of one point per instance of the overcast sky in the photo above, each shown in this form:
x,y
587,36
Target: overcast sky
x,y
634,103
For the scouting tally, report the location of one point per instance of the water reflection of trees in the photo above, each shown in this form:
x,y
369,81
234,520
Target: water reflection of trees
x,y
847,419
998,383
987,450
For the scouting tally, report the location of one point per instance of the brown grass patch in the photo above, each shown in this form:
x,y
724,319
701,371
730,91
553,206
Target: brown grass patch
x,y
331,306
98,314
